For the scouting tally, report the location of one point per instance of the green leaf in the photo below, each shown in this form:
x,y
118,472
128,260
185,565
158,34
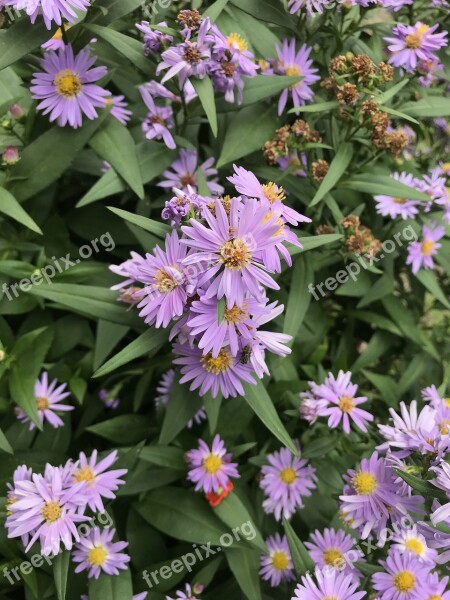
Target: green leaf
x,y
124,429
113,10
387,387
155,227
244,564
10,207
400,115
111,587
300,555
319,447
182,406
268,11
60,573
264,86
212,408
114,143
337,168
20,39
429,280
164,456
315,241
429,107
221,305
148,342
382,184
213,11
205,92
316,107
423,487
299,296
234,514
261,403
367,569
4,444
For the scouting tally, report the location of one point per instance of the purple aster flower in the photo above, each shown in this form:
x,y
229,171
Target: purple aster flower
x,y
330,585
183,205
153,39
340,393
46,509
21,474
183,173
51,10
437,590
224,373
394,5
311,405
296,63
411,43
335,550
97,553
285,481
188,594
158,121
236,46
442,481
109,399
230,245
428,69
56,42
277,566
403,578
48,398
66,88
432,395
163,388
389,206
312,6
119,108
420,254
101,483
436,539
411,541
211,469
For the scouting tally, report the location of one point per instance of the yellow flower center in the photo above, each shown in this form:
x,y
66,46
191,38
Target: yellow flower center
x,y
97,556
235,315
415,545
413,41
84,474
428,247
404,581
217,365
330,598
234,40
212,464
280,560
68,83
293,71
444,426
235,254
400,200
166,282
346,404
447,402
435,597
288,475
364,483
273,193
51,512
332,555
42,403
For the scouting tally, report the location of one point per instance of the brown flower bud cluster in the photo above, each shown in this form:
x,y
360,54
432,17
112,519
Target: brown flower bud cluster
x,y
319,169
378,121
189,19
288,140
359,71
359,239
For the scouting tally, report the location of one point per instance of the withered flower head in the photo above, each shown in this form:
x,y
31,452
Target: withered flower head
x,y
191,19
347,94
319,169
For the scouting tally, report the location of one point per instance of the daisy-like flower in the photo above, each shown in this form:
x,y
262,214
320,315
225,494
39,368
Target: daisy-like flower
x,y
182,174
393,207
442,481
184,205
404,578
66,88
438,540
190,593
56,42
45,509
51,10
295,63
158,121
329,586
119,108
153,39
437,589
100,483
340,393
277,566
285,481
411,43
97,553
163,388
312,6
48,402
230,245
211,468
335,550
410,541
420,254
431,394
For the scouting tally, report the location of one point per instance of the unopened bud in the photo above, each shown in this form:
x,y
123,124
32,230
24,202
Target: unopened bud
x,y
10,155
17,111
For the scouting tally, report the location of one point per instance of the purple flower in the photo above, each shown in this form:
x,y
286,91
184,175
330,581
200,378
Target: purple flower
x,y
335,550
312,6
394,5
48,398
97,553
184,173
211,469
404,578
66,88
224,373
158,121
119,108
109,399
437,590
277,566
285,481
330,585
393,207
188,594
436,539
51,10
410,541
153,39
420,254
410,44
442,481
101,483
56,42
163,388
296,63
183,205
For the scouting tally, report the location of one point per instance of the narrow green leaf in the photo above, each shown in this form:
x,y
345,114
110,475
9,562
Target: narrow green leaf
x,y
124,429
107,587
234,514
337,168
182,407
264,86
244,564
205,92
4,444
221,305
20,39
316,107
155,227
10,207
60,573
300,555
429,107
299,297
429,280
382,184
213,11
421,486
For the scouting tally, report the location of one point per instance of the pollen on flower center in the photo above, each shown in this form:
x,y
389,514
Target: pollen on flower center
x,y
212,464
235,254
399,200
332,555
293,71
235,315
435,597
428,247
280,560
217,365
330,598
364,483
414,545
97,556
234,39
84,474
68,83
288,475
273,193
187,179
51,512
346,404
42,403
413,41
447,402
191,55
166,282
404,581
444,426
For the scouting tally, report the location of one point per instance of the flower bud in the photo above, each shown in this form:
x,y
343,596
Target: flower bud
x,y
10,155
17,111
